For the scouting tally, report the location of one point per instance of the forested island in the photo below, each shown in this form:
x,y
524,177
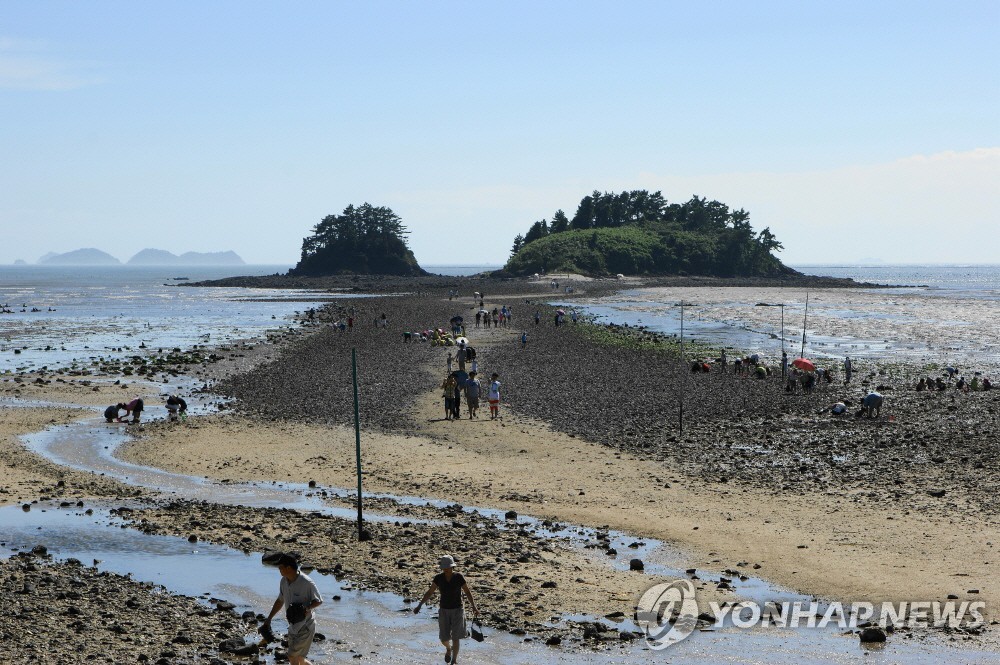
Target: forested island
x,y
362,240
641,233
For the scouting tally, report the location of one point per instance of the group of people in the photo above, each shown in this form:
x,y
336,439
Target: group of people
x,y
176,409
499,317
975,385
454,386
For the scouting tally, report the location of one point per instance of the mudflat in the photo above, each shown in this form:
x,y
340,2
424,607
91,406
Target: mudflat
x,y
759,482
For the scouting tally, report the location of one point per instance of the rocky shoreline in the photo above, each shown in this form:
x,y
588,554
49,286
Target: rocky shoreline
x,y
69,612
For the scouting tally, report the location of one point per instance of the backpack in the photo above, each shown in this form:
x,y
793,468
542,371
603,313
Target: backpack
x,y
470,353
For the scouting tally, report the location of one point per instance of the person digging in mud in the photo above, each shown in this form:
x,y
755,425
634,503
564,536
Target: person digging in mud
x,y
134,408
176,408
299,595
111,413
871,405
451,615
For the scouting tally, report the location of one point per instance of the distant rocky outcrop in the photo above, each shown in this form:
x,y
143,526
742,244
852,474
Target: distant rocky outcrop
x,y
80,257
160,257
20,262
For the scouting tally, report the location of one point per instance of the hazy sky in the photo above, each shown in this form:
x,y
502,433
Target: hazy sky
x,y
852,129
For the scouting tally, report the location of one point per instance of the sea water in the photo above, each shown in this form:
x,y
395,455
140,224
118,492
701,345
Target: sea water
x,y
922,314
55,316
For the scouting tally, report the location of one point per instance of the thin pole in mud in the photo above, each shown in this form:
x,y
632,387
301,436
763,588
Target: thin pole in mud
x,y
680,413
782,306
805,317
684,372
357,437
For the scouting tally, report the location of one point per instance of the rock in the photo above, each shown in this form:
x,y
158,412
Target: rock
x,y
554,641
872,634
237,647
636,564
549,585
937,493
510,514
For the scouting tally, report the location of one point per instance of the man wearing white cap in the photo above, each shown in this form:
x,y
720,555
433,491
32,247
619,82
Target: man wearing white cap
x,y
451,616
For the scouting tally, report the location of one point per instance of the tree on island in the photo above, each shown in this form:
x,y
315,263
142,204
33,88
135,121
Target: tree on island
x,y
364,239
639,232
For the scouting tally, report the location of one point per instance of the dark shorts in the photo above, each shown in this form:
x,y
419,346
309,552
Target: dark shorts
x,y
451,624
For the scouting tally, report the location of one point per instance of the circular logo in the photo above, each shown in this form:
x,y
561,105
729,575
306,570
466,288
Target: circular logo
x,y
667,613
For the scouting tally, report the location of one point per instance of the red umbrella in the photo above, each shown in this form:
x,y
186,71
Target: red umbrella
x,y
803,364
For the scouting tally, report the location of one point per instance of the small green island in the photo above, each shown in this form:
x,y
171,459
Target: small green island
x,y
641,233
365,240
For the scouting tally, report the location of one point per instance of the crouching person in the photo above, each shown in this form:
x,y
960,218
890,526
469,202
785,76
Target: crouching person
x,y
871,405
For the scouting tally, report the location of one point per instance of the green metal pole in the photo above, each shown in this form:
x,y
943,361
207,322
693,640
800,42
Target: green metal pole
x,y
357,435
680,412
802,353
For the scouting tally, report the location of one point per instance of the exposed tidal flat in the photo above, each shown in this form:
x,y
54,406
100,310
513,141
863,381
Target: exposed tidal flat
x,y
758,481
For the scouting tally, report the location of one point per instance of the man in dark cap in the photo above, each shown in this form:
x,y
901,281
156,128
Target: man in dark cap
x,y
299,595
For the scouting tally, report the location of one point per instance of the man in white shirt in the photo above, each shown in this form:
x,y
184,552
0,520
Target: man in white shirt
x,y
299,594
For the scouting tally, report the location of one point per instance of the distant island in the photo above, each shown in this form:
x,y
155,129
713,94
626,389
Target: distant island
x,y
80,257
159,257
361,240
147,257
641,233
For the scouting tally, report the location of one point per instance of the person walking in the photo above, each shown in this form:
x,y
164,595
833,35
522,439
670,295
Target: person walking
x,y
538,317
472,390
848,367
784,364
448,386
451,614
493,396
524,339
457,404
298,594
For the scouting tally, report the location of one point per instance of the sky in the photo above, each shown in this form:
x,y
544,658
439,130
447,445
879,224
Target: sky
x,y
853,130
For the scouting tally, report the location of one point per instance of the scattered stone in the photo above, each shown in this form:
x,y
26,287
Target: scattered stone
x,y
872,634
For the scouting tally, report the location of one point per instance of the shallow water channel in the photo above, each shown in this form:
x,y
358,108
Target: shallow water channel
x,y
376,625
